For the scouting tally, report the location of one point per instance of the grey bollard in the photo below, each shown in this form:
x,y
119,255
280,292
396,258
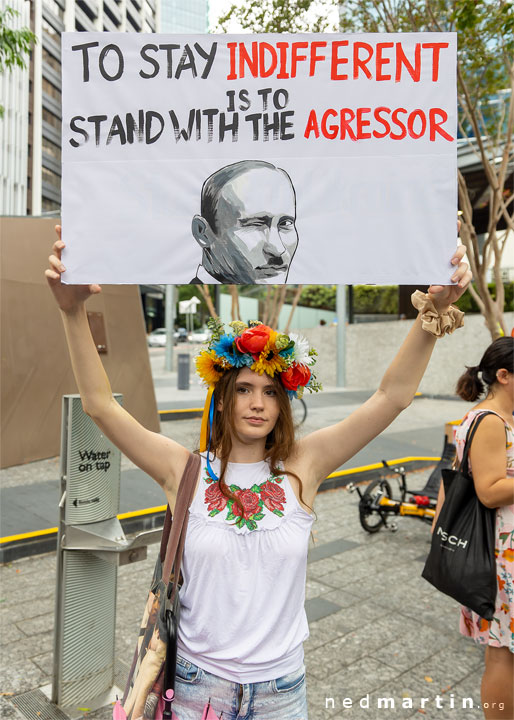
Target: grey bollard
x,y
183,371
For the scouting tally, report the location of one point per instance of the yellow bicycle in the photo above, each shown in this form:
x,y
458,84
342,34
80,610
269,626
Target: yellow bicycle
x,y
377,505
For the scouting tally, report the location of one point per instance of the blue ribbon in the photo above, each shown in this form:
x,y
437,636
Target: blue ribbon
x,y
211,420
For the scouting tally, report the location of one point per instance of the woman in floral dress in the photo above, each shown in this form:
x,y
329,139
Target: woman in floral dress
x,y
491,459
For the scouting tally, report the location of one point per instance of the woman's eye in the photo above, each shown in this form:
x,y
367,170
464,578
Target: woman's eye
x,y
271,392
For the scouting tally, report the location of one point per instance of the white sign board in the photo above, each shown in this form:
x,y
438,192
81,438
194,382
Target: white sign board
x,y
259,158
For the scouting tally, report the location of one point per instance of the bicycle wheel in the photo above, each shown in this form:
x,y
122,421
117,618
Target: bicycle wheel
x,y
299,410
369,517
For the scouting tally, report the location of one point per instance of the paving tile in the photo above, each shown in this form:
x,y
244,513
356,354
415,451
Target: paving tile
x,y
36,625
331,548
410,649
314,588
8,711
342,598
356,680
21,676
9,633
319,607
452,664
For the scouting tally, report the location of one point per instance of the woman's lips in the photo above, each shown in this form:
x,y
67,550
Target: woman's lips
x,y
255,420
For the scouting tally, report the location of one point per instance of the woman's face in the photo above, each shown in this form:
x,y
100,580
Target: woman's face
x,y
256,406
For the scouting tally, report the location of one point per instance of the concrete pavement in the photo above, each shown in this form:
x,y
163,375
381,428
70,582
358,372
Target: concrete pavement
x,y
379,632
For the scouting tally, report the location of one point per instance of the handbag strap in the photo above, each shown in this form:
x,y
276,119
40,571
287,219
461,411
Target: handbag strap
x,y
177,528
469,439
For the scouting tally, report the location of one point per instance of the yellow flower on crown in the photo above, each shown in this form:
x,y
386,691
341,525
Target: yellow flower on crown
x,y
210,367
269,361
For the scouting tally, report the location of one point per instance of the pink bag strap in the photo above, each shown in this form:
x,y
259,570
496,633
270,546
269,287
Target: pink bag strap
x,y
177,534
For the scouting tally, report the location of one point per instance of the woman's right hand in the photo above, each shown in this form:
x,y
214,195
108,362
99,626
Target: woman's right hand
x,y
69,297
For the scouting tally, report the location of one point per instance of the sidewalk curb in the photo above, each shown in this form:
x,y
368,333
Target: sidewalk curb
x,y
25,545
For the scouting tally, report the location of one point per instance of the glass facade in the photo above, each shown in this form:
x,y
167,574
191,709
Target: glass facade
x,y
184,16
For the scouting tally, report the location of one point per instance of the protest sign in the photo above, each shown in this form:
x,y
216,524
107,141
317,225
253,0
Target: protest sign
x,y
259,158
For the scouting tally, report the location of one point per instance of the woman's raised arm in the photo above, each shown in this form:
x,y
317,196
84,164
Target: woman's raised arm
x,y
162,458
325,450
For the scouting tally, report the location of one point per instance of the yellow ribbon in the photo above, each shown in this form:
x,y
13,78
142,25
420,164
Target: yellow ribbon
x,y
205,420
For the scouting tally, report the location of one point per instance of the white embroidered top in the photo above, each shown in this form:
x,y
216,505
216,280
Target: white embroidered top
x,y
242,602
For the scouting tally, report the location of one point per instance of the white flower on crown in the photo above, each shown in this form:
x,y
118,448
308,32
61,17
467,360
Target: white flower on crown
x,y
301,350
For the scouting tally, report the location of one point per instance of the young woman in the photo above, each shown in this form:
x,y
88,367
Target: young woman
x,y
491,460
243,623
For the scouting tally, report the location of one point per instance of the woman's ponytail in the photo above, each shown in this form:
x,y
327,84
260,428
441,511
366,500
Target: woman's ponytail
x,y
499,355
469,386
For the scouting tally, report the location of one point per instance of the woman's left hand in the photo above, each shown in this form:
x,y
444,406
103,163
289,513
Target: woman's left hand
x,y
444,295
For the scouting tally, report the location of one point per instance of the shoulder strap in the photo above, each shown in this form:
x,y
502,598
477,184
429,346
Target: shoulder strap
x,y
469,438
177,534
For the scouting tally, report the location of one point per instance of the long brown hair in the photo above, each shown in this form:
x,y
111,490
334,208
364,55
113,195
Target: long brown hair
x,y
280,443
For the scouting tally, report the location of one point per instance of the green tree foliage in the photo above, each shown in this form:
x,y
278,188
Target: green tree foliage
x,y
276,16
15,44
485,73
319,296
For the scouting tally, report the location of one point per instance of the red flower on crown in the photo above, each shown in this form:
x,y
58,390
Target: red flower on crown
x,y
253,340
295,376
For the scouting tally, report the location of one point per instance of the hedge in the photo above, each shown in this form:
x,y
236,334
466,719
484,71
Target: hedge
x,y
383,299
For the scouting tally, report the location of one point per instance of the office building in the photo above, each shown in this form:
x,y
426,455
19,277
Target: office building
x,y
14,93
184,16
49,18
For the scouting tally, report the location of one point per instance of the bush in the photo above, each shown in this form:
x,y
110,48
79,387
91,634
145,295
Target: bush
x,y
468,305
380,299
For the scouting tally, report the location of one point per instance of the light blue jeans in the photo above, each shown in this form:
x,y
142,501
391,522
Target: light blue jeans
x,y
281,699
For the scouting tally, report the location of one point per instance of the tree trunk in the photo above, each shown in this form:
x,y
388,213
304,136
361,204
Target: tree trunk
x,y
204,289
235,302
296,298
280,296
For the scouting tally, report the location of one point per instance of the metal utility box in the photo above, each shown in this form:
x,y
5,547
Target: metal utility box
x,y
91,545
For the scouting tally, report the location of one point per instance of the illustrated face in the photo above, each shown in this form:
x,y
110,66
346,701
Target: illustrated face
x,y
255,237
256,407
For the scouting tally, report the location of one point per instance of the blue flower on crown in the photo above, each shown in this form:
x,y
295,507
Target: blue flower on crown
x,y
225,348
287,353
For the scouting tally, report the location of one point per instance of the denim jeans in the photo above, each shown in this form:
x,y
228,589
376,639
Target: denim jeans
x,y
281,699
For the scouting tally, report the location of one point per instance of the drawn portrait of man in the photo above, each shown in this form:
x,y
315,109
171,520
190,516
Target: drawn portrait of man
x,y
247,226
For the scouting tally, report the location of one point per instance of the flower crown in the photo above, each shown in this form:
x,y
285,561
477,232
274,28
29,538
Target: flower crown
x,y
261,349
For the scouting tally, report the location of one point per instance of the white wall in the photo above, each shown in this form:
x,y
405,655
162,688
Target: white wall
x,y
303,317
372,346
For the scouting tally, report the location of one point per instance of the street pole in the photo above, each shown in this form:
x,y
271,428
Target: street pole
x,y
169,320
341,335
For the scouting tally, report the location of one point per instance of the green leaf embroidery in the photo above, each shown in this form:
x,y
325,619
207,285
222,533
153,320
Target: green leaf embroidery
x,y
214,512
504,536
240,522
233,488
277,512
251,524
259,516
255,488
230,515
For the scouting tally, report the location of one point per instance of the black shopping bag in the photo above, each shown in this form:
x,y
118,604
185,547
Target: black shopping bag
x,y
461,562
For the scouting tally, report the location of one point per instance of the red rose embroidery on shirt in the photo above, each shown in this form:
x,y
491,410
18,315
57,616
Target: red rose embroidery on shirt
x,y
273,496
250,502
215,499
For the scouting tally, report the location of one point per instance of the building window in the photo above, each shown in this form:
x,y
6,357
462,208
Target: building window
x,y
51,149
51,178
51,61
49,205
51,90
52,119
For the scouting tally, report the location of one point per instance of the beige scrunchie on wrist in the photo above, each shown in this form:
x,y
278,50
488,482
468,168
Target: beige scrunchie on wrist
x,y
431,320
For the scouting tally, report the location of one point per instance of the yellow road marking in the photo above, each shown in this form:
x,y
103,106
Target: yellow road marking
x,y
162,508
